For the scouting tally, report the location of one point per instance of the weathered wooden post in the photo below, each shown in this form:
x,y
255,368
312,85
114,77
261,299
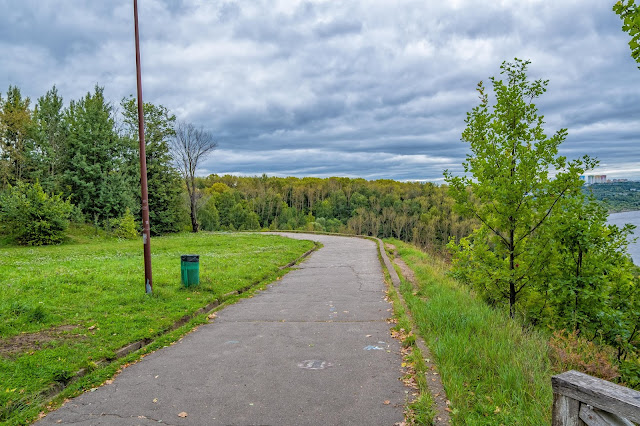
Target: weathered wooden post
x,y
579,399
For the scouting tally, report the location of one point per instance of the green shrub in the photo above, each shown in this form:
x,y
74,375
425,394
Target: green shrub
x,y
126,226
32,217
208,215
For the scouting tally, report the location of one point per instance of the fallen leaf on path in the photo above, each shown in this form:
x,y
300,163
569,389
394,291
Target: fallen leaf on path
x,y
183,414
108,382
387,402
368,335
212,316
155,400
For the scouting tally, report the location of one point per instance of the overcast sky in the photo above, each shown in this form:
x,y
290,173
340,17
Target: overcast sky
x,y
373,89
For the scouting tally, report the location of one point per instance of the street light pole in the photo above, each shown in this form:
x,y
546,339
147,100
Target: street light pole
x,y
146,232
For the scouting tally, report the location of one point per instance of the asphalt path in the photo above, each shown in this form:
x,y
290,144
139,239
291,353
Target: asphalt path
x,y
314,348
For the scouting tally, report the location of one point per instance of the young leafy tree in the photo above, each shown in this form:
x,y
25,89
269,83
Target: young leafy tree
x,y
189,147
629,12
164,185
508,186
16,142
591,262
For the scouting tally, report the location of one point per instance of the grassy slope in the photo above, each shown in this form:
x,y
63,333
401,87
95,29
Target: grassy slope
x,y
492,370
99,284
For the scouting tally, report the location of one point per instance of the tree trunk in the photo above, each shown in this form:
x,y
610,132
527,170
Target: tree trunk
x,y
512,267
194,219
192,198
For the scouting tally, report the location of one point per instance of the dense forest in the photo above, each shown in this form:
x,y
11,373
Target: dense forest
x,y
86,155
616,196
421,213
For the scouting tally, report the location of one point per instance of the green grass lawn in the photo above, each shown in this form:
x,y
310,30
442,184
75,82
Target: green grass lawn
x,y
493,371
63,308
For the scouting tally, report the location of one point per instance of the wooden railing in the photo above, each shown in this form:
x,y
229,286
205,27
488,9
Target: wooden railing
x,y
579,399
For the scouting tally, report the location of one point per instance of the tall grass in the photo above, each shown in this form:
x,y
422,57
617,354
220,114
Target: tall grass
x,y
493,370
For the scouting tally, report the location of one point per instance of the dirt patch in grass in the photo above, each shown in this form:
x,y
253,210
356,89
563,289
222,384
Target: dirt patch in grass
x,y
407,273
27,342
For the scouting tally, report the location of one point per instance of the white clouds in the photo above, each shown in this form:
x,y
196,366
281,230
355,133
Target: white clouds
x,y
360,88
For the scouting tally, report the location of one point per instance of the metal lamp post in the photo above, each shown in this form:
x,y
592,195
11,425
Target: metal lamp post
x,y
146,233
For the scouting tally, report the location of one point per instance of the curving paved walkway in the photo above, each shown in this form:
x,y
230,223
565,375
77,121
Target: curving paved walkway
x,y
312,349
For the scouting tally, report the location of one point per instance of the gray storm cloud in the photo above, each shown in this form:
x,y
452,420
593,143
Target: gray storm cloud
x,y
370,89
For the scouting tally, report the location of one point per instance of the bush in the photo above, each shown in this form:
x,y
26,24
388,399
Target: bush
x,y
208,215
32,217
126,226
569,351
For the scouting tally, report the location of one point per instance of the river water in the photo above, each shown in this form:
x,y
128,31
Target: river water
x,y
633,218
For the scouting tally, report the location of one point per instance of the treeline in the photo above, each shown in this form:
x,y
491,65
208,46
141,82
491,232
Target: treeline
x,y
616,196
79,161
86,153
421,213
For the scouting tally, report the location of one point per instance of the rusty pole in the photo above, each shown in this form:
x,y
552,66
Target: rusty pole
x,y
146,233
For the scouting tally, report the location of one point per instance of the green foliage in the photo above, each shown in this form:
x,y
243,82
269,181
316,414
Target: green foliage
x,y
508,187
90,154
208,215
126,226
629,13
589,269
95,174
381,208
16,142
32,217
163,181
50,132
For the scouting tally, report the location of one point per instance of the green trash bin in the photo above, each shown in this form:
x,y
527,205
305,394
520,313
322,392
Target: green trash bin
x,y
190,269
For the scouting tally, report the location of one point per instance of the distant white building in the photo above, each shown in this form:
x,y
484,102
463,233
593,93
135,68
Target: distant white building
x,y
591,179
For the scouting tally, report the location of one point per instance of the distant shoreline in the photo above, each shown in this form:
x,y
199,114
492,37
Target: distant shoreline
x,y
623,211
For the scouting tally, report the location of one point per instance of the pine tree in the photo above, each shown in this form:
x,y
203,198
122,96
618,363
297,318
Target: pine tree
x,y
166,212
50,139
96,176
